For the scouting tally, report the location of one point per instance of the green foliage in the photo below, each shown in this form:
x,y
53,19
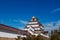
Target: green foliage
x,y
55,35
39,37
29,38
33,37
24,38
18,38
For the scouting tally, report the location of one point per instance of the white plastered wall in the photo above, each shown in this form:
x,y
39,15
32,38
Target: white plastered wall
x,y
10,35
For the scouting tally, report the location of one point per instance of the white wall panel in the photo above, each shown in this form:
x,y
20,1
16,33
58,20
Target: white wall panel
x,y
10,35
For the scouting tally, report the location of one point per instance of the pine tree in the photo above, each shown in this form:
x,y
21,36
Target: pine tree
x,y
39,37
24,38
58,34
29,38
33,37
55,35
18,38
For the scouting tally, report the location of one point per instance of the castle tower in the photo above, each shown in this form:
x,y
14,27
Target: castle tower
x,y
35,25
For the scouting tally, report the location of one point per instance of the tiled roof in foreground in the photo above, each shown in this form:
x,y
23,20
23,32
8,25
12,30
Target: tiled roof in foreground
x,y
10,29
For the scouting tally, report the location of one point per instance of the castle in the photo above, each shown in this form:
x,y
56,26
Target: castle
x,y
34,27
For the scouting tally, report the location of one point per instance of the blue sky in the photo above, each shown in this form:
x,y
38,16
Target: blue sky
x,y
16,13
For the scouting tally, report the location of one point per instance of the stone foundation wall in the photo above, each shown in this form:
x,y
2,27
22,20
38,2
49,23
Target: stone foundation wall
x,y
46,38
2,38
